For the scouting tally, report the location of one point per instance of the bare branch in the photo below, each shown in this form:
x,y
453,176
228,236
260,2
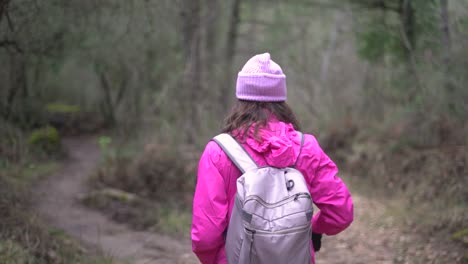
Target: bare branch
x,y
11,43
10,23
381,5
412,61
122,89
331,46
321,4
257,21
107,106
3,8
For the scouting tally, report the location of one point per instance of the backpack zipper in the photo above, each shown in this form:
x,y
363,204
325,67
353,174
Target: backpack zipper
x,y
252,233
280,232
279,203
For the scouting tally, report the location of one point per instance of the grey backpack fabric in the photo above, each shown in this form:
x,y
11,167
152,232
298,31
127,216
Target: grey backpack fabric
x,y
271,219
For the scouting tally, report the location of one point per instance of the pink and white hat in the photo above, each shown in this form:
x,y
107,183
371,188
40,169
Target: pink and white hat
x,y
261,79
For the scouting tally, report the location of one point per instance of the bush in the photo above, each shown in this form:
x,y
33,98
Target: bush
x,y
13,253
72,119
419,161
45,140
63,116
159,173
12,145
153,190
124,207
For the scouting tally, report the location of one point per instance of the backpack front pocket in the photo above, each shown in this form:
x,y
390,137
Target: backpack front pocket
x,y
245,256
290,246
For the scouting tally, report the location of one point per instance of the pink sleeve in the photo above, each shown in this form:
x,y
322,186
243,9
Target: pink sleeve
x,y
210,208
330,195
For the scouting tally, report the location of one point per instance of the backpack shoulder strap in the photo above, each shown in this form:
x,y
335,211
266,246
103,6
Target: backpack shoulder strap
x,y
300,149
235,152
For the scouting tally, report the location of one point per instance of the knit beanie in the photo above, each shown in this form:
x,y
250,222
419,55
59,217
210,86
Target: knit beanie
x,y
261,79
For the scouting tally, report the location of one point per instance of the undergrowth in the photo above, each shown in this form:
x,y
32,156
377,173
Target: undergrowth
x,y
149,189
428,178
24,238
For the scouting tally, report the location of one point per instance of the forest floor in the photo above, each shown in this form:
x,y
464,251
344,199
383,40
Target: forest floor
x,y
374,237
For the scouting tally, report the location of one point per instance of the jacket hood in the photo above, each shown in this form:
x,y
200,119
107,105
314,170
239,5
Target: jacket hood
x,y
278,143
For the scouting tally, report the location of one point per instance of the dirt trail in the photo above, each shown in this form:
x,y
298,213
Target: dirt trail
x,y
376,236
370,239
58,203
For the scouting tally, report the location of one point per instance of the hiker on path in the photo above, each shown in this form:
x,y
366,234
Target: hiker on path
x,y
267,129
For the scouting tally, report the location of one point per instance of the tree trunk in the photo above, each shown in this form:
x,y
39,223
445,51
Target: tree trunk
x,y
107,107
408,26
331,46
211,25
446,39
14,88
209,50
193,68
195,73
3,8
408,38
446,47
231,42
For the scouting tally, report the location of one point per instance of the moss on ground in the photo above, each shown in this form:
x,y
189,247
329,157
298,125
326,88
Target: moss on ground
x,y
62,108
47,135
462,236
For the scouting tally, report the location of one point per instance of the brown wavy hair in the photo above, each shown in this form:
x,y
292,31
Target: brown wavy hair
x,y
245,114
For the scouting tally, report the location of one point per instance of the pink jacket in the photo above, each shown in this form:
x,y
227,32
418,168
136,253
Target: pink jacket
x,y
279,146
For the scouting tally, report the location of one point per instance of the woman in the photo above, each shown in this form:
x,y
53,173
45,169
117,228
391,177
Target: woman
x,y
267,128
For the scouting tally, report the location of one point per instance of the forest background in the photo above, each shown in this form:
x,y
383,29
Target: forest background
x,y
381,83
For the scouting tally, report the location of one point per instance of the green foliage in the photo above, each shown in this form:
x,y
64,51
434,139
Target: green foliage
x,y
392,32
174,221
45,135
62,108
13,253
36,171
376,43
138,187
415,58
12,145
55,47
45,139
104,142
158,172
461,235
18,160
107,151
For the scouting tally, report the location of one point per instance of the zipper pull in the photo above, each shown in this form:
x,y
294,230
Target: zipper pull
x,y
251,231
296,196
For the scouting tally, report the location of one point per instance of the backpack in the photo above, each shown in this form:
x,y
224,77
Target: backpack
x,y
271,219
